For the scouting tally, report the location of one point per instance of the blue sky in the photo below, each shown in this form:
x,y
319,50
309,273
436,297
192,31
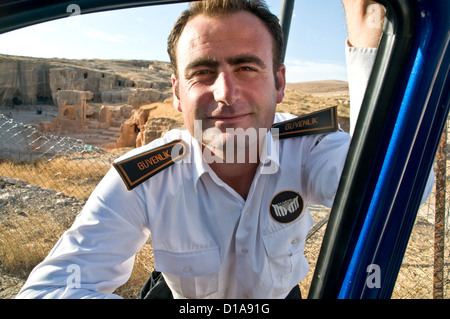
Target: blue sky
x,y
315,46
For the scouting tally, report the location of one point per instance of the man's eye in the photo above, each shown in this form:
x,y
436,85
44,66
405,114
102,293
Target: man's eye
x,y
246,69
202,72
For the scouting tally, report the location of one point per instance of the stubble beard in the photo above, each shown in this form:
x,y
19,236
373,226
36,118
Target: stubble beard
x,y
230,145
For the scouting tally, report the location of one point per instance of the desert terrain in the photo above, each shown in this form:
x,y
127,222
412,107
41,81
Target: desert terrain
x,y
123,104
40,198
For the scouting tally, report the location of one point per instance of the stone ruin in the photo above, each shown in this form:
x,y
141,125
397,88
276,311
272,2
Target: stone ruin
x,y
97,101
72,109
134,125
141,128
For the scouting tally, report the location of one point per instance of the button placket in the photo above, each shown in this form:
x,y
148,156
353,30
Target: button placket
x,y
187,269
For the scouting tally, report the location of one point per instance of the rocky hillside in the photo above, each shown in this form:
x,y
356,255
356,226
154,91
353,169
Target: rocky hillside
x,y
102,103
85,99
118,103
32,81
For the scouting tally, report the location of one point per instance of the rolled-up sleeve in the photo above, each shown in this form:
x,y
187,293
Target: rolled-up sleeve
x,y
360,63
324,168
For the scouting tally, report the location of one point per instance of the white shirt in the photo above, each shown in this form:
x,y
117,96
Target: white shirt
x,y
359,67
208,241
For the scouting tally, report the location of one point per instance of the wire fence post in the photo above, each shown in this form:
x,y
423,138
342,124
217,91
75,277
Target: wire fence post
x,y
439,226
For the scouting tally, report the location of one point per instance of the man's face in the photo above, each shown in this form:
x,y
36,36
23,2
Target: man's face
x,y
225,75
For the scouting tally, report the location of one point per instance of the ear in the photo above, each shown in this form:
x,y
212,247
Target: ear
x,y
281,77
176,100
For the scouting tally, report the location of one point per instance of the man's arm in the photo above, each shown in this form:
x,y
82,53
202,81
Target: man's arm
x,y
365,20
364,26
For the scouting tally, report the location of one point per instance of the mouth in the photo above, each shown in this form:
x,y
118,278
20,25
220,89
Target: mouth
x,y
228,118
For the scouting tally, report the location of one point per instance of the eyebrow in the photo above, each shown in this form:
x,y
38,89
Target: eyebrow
x,y
246,58
214,63
200,62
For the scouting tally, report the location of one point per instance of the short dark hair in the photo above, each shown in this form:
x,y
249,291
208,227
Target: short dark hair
x,y
224,7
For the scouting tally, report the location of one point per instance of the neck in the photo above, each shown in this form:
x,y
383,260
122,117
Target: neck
x,y
236,171
238,176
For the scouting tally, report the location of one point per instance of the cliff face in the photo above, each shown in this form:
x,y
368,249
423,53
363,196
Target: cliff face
x,y
24,82
92,97
31,81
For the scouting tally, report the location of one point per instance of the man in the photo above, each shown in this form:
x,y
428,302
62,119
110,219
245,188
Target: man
x,y
225,201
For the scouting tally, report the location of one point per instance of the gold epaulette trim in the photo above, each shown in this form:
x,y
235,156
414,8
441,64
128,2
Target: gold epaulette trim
x,y
323,121
139,168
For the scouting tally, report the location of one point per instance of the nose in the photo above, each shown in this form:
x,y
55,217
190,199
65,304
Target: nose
x,y
225,90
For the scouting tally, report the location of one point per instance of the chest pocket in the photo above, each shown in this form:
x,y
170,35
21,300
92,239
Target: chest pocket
x,y
191,274
285,249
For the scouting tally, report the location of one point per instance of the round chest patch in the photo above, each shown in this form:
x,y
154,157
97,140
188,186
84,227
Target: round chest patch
x,y
286,207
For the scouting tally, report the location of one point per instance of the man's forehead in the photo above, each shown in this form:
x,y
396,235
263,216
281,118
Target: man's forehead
x,y
238,32
218,27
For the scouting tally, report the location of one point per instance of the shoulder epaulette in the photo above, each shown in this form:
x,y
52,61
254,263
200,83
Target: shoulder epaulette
x,y
137,169
323,121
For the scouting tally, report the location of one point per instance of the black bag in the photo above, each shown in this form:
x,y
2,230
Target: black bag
x,y
156,288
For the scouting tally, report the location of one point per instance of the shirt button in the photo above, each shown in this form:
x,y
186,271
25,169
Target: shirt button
x,y
294,241
244,250
187,269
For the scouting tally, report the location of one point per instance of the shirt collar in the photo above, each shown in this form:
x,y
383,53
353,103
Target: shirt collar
x,y
199,165
270,151
269,157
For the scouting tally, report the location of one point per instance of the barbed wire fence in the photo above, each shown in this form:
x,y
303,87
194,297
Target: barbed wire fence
x,y
39,170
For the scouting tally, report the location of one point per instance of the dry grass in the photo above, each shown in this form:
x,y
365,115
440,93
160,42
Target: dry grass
x,y
73,176
26,237
304,98
26,241
297,102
